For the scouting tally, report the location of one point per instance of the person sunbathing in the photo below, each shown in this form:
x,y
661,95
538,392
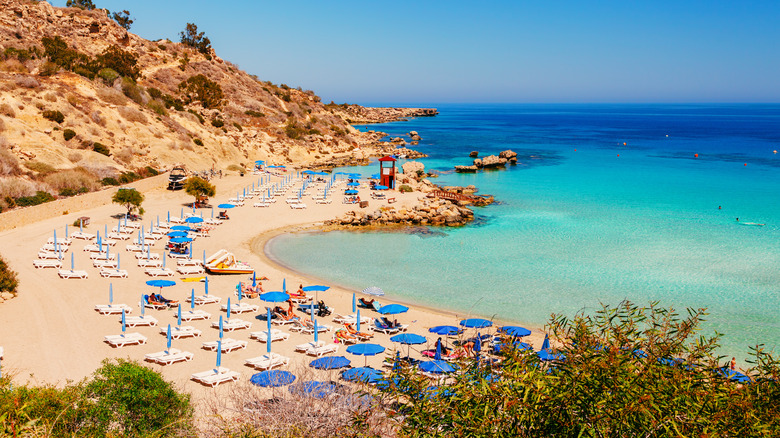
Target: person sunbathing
x,y
353,331
345,336
368,304
390,324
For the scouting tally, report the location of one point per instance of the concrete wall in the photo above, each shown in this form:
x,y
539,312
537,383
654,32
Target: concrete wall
x,y
22,216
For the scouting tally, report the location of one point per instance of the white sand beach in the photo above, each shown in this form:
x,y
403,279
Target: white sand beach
x,y
51,332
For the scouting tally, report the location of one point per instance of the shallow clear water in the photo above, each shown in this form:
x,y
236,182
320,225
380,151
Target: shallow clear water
x,y
585,219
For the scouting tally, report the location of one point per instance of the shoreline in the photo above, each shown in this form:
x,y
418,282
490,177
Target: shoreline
x,y
267,237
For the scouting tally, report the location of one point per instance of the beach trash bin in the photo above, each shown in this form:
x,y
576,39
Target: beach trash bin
x,y
363,204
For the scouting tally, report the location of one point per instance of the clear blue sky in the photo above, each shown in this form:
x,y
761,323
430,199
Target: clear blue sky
x,y
494,51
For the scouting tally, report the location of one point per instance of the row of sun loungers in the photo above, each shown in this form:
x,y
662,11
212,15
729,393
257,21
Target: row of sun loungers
x,y
184,331
231,324
276,335
169,356
216,376
228,345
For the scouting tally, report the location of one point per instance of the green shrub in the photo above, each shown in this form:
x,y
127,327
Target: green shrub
x,y
405,189
254,113
108,75
158,107
129,198
8,280
39,198
101,149
201,89
42,169
197,141
67,191
54,116
128,177
293,129
197,40
237,126
151,171
124,63
217,123
48,68
68,134
109,181
132,90
196,114
314,132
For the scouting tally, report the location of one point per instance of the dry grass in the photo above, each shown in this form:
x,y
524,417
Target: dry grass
x,y
2,125
98,170
131,114
50,97
125,155
247,410
112,96
9,165
97,117
12,65
7,110
74,179
18,187
75,157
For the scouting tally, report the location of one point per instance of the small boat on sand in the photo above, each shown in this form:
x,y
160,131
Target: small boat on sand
x,y
224,262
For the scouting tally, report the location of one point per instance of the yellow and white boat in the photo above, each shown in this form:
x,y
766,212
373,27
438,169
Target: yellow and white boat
x,y
224,262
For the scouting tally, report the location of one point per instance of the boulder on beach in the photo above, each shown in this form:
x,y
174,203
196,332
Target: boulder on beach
x,y
412,167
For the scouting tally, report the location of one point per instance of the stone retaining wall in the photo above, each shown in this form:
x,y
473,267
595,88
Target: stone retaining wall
x,y
23,216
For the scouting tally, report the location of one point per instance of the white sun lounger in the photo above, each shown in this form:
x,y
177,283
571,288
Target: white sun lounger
x,y
324,201
82,235
169,356
142,320
268,361
112,309
51,248
134,225
241,307
177,256
143,255
120,341
47,264
298,206
175,220
67,273
206,299
103,263
308,345
231,324
118,236
184,331
351,319
48,255
113,273
61,241
151,263
302,328
159,272
215,377
194,315
99,256
276,335
262,204
228,345
95,248
135,248
187,270
212,221
323,350
189,262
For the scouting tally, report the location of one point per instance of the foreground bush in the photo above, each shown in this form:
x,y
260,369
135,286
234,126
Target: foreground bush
x,y
122,398
626,371
8,280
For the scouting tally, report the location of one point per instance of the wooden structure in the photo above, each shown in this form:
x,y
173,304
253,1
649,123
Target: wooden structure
x,y
387,171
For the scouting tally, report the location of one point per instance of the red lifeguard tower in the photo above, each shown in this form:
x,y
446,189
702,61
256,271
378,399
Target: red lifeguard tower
x,y
387,171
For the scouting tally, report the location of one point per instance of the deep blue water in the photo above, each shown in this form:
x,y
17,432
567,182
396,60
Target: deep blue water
x,y
608,202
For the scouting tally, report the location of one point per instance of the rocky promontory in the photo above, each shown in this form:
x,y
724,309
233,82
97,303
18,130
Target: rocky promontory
x,y
429,211
356,114
489,162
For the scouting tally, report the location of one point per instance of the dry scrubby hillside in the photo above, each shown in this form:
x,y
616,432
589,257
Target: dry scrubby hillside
x,y
82,100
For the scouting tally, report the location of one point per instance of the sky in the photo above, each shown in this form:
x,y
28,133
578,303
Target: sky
x,y
516,51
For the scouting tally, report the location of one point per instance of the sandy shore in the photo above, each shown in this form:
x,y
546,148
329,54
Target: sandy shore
x,y
51,332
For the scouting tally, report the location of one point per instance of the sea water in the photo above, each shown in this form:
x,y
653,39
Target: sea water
x,y
607,203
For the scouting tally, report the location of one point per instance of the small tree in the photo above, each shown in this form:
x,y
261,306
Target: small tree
x,y
202,89
81,4
130,199
123,18
197,40
199,187
8,280
120,61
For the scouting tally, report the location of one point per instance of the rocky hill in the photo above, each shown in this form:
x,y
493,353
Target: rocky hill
x,y
85,102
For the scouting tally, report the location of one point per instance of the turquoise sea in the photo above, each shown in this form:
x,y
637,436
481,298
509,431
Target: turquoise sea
x,y
585,219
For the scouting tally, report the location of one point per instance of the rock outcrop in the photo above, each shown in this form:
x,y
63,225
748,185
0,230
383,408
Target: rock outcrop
x,y
356,114
414,136
437,212
413,168
474,154
489,162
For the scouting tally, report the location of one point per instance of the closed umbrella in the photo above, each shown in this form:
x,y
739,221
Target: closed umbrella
x,y
110,294
192,300
178,315
168,344
220,327
354,303
228,308
124,324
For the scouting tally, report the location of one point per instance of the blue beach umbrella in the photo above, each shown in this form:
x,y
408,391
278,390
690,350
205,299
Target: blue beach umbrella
x,y
437,367
353,184
169,337
181,240
357,321
354,302
118,260
268,338
478,343
275,297
409,339
124,324
284,285
313,389
254,279
228,308
160,283
72,262
330,363
66,231
546,355
240,293
272,378
316,289
365,350
546,342
206,281
446,330
393,309
515,331
350,192
219,352
476,323
226,206
220,326
174,234
110,294
180,228
192,300
178,315
316,332
362,374
437,355
381,187
143,304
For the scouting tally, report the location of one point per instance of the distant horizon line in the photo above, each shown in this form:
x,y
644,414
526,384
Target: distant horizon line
x,y
380,104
